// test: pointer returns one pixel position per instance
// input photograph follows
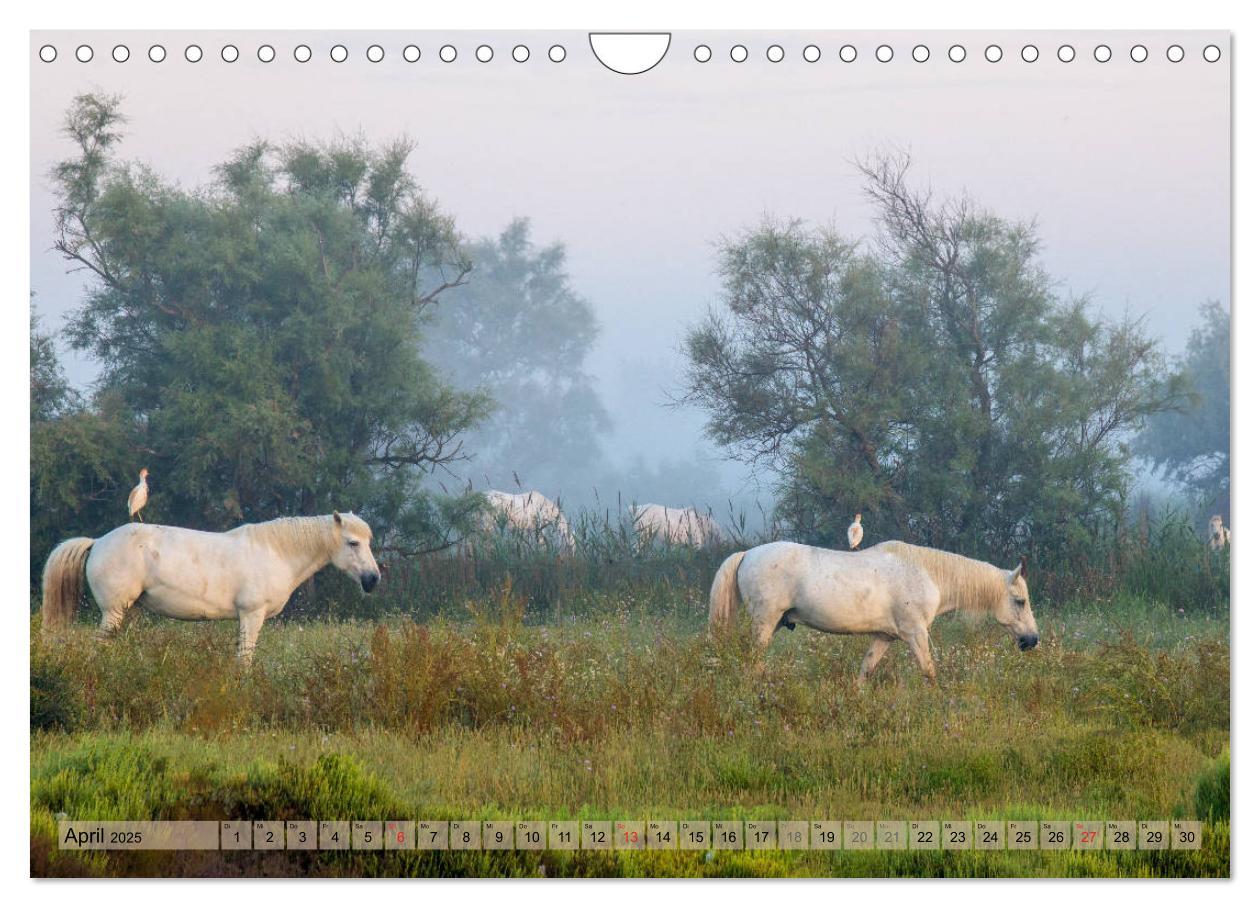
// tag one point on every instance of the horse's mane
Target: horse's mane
(965, 583)
(297, 535)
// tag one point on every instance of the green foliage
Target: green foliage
(1211, 790)
(55, 702)
(259, 338)
(936, 384)
(334, 786)
(1190, 445)
(51, 394)
(122, 779)
(1134, 684)
(1167, 560)
(81, 458)
(520, 333)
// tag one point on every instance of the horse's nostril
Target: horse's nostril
(369, 581)
(1028, 641)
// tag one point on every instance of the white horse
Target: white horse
(530, 513)
(674, 526)
(1218, 533)
(247, 573)
(893, 591)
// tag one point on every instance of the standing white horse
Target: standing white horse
(674, 526)
(531, 513)
(247, 573)
(893, 591)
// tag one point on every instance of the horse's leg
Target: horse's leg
(114, 598)
(112, 616)
(879, 646)
(922, 650)
(763, 630)
(251, 624)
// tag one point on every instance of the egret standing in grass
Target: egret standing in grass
(139, 496)
(855, 532)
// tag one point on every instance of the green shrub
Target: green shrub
(55, 703)
(1211, 790)
(1185, 693)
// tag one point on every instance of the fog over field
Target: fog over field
(1125, 166)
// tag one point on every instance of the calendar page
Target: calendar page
(630, 454)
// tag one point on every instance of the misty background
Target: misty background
(635, 181)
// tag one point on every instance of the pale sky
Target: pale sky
(1125, 166)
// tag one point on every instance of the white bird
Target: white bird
(139, 496)
(855, 532)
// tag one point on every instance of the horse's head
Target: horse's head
(354, 550)
(1015, 613)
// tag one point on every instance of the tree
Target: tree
(259, 338)
(79, 455)
(932, 381)
(521, 334)
(51, 394)
(1190, 445)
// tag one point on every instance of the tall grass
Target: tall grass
(609, 563)
(631, 669)
(626, 716)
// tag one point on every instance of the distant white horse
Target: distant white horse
(674, 526)
(530, 513)
(893, 591)
(247, 573)
(1218, 533)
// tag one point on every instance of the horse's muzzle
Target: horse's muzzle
(1027, 641)
(369, 581)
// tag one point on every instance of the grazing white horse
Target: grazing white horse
(531, 513)
(247, 573)
(1218, 533)
(674, 526)
(893, 591)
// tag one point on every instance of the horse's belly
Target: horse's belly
(170, 602)
(859, 609)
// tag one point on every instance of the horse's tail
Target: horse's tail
(724, 594)
(63, 582)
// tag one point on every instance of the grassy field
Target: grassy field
(1122, 713)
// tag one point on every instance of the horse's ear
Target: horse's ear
(1023, 565)
(337, 518)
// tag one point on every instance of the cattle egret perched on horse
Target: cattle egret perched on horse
(855, 532)
(531, 513)
(139, 496)
(892, 591)
(1218, 533)
(674, 526)
(247, 573)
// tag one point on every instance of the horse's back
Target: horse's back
(840, 592)
(155, 548)
(682, 526)
(527, 505)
